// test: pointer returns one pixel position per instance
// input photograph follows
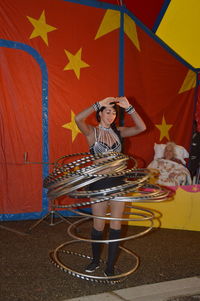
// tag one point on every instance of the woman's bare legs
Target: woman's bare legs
(99, 209)
(117, 209)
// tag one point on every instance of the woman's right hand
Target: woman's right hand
(106, 102)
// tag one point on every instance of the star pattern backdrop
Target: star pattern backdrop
(163, 91)
(57, 57)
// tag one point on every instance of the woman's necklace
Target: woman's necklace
(107, 136)
(104, 128)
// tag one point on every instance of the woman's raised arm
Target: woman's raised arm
(84, 127)
(139, 125)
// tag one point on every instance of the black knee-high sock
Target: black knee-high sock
(112, 250)
(96, 247)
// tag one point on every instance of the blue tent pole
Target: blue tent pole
(121, 65)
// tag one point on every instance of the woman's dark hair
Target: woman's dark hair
(98, 118)
(113, 125)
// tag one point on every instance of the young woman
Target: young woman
(104, 138)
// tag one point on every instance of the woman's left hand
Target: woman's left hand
(123, 102)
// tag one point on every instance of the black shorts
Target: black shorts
(106, 183)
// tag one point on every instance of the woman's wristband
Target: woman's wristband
(130, 109)
(96, 106)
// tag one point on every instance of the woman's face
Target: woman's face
(107, 116)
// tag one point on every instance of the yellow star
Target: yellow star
(130, 30)
(75, 62)
(41, 28)
(72, 126)
(111, 21)
(164, 129)
(189, 82)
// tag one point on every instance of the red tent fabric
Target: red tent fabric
(53, 64)
(146, 11)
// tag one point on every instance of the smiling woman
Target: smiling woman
(106, 137)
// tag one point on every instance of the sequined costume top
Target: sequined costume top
(106, 140)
